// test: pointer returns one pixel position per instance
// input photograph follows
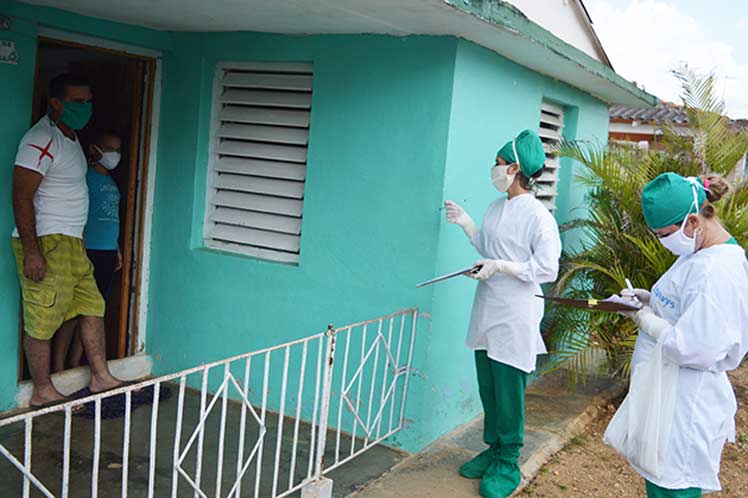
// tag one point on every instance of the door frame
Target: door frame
(146, 174)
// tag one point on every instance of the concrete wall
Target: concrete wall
(378, 135)
(562, 18)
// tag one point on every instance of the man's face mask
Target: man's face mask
(501, 178)
(76, 114)
(109, 160)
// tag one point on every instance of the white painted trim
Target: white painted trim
(582, 14)
(644, 128)
(70, 381)
(211, 174)
(291, 67)
(98, 42)
(145, 257)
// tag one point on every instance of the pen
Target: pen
(628, 284)
(631, 288)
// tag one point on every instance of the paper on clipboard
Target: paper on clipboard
(612, 304)
(457, 273)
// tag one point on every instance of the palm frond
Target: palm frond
(615, 242)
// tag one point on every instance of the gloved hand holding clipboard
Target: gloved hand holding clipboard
(613, 304)
(464, 271)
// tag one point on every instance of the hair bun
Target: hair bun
(717, 187)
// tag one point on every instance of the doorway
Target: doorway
(122, 86)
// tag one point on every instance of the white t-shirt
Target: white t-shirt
(61, 202)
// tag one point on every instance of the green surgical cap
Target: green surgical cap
(668, 199)
(530, 150)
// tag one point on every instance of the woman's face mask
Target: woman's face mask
(501, 178)
(679, 243)
(109, 160)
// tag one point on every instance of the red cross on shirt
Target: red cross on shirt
(44, 152)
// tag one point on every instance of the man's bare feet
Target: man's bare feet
(103, 383)
(45, 395)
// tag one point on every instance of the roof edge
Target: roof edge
(582, 10)
(504, 15)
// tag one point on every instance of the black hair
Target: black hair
(527, 183)
(58, 87)
(105, 133)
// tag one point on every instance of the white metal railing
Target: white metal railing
(326, 427)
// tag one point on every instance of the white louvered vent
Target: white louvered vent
(261, 114)
(551, 133)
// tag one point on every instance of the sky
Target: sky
(645, 39)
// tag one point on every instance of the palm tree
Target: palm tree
(616, 242)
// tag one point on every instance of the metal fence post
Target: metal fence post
(322, 487)
(325, 409)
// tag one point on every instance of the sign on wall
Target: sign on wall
(8, 52)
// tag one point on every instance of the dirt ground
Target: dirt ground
(587, 467)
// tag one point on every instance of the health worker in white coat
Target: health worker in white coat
(699, 310)
(520, 242)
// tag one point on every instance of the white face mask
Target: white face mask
(501, 178)
(109, 160)
(679, 243)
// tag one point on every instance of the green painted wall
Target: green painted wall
(15, 101)
(493, 99)
(398, 125)
(380, 120)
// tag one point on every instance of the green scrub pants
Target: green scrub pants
(654, 491)
(502, 392)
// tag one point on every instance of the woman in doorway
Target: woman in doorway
(101, 234)
(102, 228)
(698, 310)
(522, 247)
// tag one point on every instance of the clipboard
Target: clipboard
(613, 304)
(464, 271)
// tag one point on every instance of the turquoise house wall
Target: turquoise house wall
(16, 91)
(378, 135)
(398, 125)
(15, 101)
(493, 99)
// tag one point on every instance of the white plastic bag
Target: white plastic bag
(640, 429)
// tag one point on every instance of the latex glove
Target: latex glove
(489, 267)
(649, 323)
(642, 295)
(458, 216)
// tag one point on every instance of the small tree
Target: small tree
(616, 242)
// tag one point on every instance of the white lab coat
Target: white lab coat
(705, 297)
(506, 312)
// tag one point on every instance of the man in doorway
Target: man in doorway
(50, 203)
